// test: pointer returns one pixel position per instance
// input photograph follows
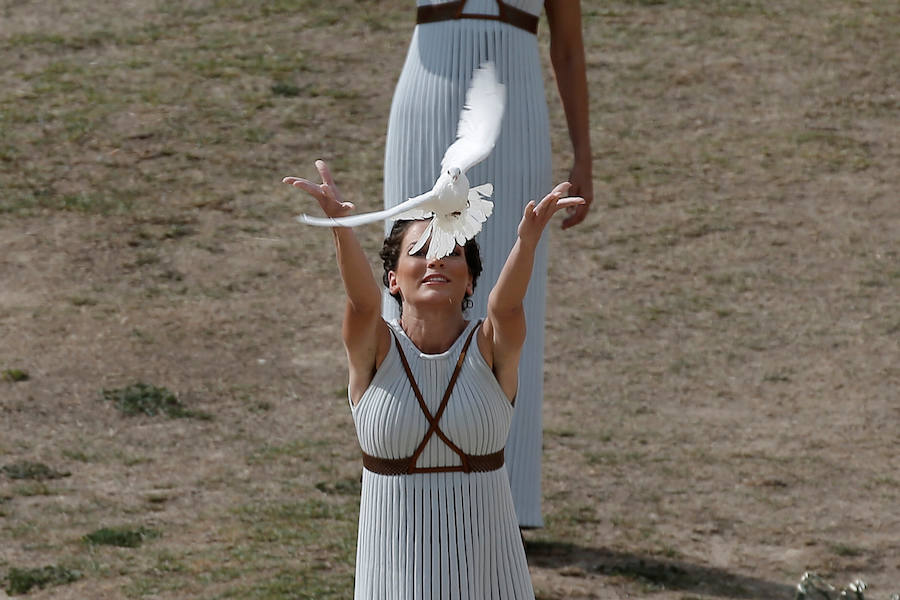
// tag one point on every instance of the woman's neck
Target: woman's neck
(432, 333)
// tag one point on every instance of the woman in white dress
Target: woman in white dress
(432, 398)
(449, 42)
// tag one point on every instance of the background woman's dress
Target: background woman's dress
(428, 98)
(436, 535)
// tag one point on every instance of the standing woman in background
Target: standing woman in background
(450, 41)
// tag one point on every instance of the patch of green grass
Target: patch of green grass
(315, 584)
(333, 93)
(832, 150)
(287, 90)
(145, 259)
(177, 231)
(280, 514)
(14, 375)
(29, 201)
(328, 526)
(845, 550)
(21, 581)
(169, 573)
(305, 449)
(606, 458)
(54, 42)
(32, 470)
(123, 537)
(349, 486)
(256, 135)
(167, 562)
(83, 301)
(681, 366)
(562, 433)
(580, 515)
(259, 407)
(325, 530)
(142, 336)
(78, 455)
(609, 264)
(669, 552)
(884, 480)
(145, 399)
(32, 488)
(782, 375)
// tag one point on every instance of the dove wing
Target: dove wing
(443, 241)
(485, 189)
(480, 208)
(416, 207)
(479, 121)
(422, 238)
(410, 206)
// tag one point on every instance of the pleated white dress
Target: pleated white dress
(445, 535)
(424, 114)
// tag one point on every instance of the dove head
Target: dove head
(394, 247)
(454, 173)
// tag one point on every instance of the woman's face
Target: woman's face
(422, 281)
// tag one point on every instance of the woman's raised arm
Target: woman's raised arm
(505, 323)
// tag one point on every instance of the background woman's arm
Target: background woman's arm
(567, 58)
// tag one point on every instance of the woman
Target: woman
(450, 40)
(432, 398)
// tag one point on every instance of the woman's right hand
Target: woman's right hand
(326, 193)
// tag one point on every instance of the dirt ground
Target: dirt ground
(723, 333)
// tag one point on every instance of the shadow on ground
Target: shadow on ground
(666, 574)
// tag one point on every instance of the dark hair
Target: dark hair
(390, 254)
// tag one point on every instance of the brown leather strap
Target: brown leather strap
(433, 420)
(478, 463)
(400, 466)
(448, 11)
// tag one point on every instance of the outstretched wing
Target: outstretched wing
(479, 121)
(411, 207)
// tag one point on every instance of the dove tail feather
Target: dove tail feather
(422, 239)
(442, 242)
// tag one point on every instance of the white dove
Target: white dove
(457, 210)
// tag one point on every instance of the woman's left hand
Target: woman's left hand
(538, 215)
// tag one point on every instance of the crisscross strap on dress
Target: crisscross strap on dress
(406, 466)
(448, 11)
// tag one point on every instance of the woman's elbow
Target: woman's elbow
(506, 313)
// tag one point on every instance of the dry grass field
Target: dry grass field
(723, 364)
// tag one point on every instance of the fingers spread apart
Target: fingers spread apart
(306, 185)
